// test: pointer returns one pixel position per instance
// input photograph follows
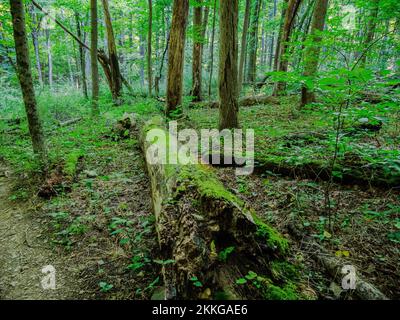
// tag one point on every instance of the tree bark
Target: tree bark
(228, 65)
(25, 79)
(244, 44)
(212, 49)
(149, 49)
(176, 56)
(312, 55)
(194, 224)
(49, 59)
(113, 56)
(94, 57)
(371, 27)
(197, 52)
(290, 14)
(253, 43)
(81, 56)
(35, 42)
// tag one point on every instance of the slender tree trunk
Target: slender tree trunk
(228, 65)
(212, 50)
(113, 56)
(176, 55)
(313, 52)
(244, 44)
(35, 42)
(94, 56)
(25, 79)
(272, 44)
(197, 52)
(142, 53)
(253, 42)
(149, 49)
(371, 27)
(290, 15)
(278, 43)
(81, 56)
(49, 59)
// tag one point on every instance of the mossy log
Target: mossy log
(353, 171)
(208, 237)
(246, 101)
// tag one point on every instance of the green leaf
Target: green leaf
(241, 281)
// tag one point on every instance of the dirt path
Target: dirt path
(24, 251)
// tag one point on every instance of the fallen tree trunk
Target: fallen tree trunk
(363, 289)
(250, 101)
(208, 238)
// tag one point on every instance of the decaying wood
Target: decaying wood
(363, 289)
(69, 122)
(196, 218)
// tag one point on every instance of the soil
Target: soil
(25, 251)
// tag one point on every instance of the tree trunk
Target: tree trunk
(253, 43)
(212, 49)
(196, 220)
(244, 44)
(371, 27)
(49, 59)
(197, 52)
(290, 15)
(81, 56)
(35, 42)
(94, 57)
(112, 52)
(149, 49)
(25, 79)
(313, 52)
(228, 65)
(176, 56)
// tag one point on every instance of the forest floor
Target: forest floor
(98, 229)
(25, 251)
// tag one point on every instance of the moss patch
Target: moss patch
(273, 238)
(71, 163)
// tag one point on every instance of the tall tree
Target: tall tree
(253, 42)
(94, 56)
(288, 24)
(149, 49)
(176, 55)
(35, 41)
(243, 52)
(81, 55)
(211, 66)
(228, 65)
(49, 58)
(25, 79)
(197, 51)
(113, 56)
(371, 28)
(311, 58)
